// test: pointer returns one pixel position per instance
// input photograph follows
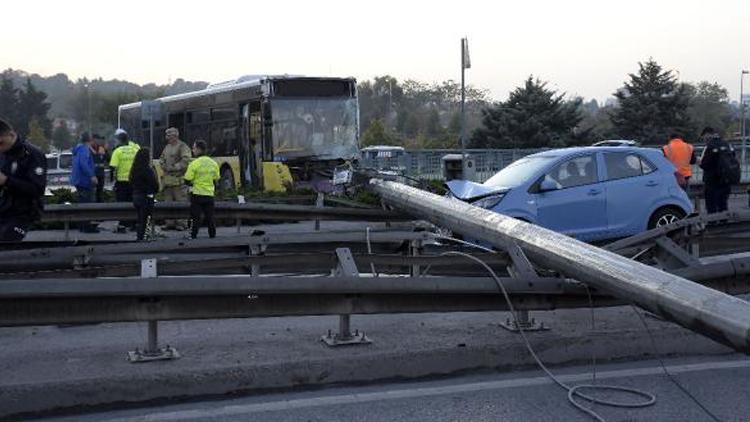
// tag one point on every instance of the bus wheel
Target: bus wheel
(226, 183)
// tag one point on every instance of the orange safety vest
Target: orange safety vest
(679, 153)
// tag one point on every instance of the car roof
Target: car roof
(565, 152)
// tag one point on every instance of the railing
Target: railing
(427, 163)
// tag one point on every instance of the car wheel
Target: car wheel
(665, 216)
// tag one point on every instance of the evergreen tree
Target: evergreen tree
(36, 135)
(8, 99)
(33, 105)
(61, 137)
(533, 117)
(652, 105)
(377, 135)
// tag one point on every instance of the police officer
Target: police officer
(121, 162)
(23, 177)
(202, 175)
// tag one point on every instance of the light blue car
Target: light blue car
(590, 193)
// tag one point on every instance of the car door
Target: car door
(633, 186)
(577, 206)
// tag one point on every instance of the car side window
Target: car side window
(577, 171)
(621, 165)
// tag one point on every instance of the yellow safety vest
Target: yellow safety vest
(203, 172)
(122, 160)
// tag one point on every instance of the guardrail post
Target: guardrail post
(416, 250)
(319, 201)
(521, 267)
(152, 351)
(346, 267)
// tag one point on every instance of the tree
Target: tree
(61, 137)
(8, 99)
(652, 105)
(33, 105)
(36, 135)
(377, 135)
(709, 106)
(533, 117)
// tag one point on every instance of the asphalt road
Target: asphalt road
(720, 385)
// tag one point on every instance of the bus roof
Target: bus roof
(247, 81)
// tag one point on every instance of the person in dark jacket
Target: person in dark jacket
(145, 186)
(23, 177)
(101, 162)
(716, 192)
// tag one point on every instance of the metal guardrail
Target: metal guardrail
(223, 210)
(723, 318)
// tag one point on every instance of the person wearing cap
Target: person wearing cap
(101, 162)
(121, 162)
(202, 175)
(23, 178)
(174, 161)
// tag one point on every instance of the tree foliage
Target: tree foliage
(533, 117)
(652, 105)
(709, 106)
(36, 135)
(22, 107)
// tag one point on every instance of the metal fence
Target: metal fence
(428, 163)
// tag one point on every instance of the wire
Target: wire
(573, 391)
(666, 372)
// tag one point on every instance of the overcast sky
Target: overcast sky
(581, 47)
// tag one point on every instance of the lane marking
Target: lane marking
(242, 409)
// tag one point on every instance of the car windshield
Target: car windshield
(519, 171)
(66, 161)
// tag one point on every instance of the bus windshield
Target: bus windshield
(322, 128)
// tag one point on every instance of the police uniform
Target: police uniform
(202, 174)
(122, 161)
(21, 196)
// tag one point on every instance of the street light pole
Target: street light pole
(742, 115)
(465, 64)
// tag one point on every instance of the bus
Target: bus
(262, 130)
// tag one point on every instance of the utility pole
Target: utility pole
(465, 64)
(743, 135)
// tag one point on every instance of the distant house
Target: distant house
(71, 124)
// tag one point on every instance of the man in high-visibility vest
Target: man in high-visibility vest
(202, 175)
(682, 155)
(121, 162)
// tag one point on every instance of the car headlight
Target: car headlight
(488, 201)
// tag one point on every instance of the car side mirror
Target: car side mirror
(547, 185)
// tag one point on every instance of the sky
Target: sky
(580, 47)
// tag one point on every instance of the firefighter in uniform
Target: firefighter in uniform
(23, 178)
(174, 161)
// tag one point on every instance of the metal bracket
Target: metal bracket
(521, 268)
(345, 267)
(670, 255)
(152, 351)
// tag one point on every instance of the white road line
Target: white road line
(242, 409)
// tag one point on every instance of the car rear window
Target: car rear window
(621, 165)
